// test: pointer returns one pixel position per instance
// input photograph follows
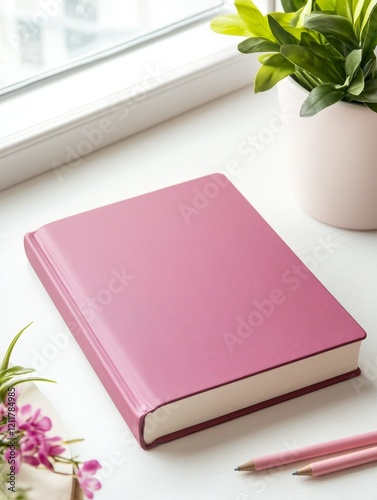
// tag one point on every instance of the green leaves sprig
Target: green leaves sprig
(12, 376)
(327, 46)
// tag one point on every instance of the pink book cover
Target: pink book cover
(186, 289)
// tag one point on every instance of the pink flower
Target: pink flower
(26, 454)
(87, 483)
(49, 447)
(32, 421)
(35, 448)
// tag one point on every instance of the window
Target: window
(43, 37)
(118, 95)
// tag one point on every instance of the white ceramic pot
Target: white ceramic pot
(333, 159)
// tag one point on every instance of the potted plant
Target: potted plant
(326, 48)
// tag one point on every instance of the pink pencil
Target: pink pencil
(339, 463)
(306, 452)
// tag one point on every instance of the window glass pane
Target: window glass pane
(39, 38)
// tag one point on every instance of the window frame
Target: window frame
(84, 117)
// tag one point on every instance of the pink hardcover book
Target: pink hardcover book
(191, 309)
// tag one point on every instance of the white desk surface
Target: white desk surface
(215, 137)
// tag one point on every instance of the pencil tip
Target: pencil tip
(237, 468)
(295, 473)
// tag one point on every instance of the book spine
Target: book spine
(85, 337)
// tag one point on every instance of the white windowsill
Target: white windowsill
(60, 119)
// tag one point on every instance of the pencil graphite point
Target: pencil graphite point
(304, 471)
(295, 473)
(247, 467)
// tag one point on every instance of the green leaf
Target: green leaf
(358, 6)
(15, 370)
(8, 353)
(4, 387)
(328, 5)
(305, 12)
(320, 98)
(288, 21)
(371, 85)
(339, 46)
(264, 57)
(292, 5)
(281, 35)
(274, 69)
(362, 16)
(372, 106)
(229, 24)
(357, 84)
(352, 62)
(332, 25)
(369, 94)
(9, 376)
(73, 441)
(369, 65)
(255, 22)
(253, 45)
(320, 46)
(309, 61)
(344, 8)
(369, 34)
